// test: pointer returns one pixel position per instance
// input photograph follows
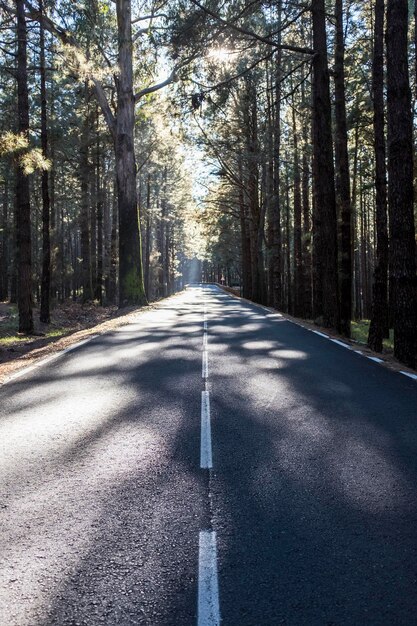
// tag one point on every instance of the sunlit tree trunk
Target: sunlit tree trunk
(46, 241)
(131, 288)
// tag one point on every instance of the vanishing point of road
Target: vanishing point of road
(209, 463)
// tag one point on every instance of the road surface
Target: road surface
(209, 463)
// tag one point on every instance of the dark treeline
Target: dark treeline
(313, 212)
(304, 112)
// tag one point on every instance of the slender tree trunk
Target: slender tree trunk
(99, 214)
(112, 290)
(325, 295)
(131, 288)
(46, 242)
(342, 177)
(298, 260)
(84, 174)
(400, 184)
(23, 217)
(379, 320)
(275, 267)
(4, 256)
(148, 238)
(306, 228)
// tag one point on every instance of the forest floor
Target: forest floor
(70, 322)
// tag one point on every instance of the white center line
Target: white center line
(206, 456)
(205, 341)
(208, 586)
(205, 364)
(205, 324)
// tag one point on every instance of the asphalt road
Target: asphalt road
(209, 462)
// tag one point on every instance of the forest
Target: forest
(266, 146)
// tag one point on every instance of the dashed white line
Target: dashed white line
(205, 324)
(208, 586)
(205, 365)
(206, 455)
(205, 339)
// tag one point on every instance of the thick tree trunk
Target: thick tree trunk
(326, 310)
(46, 241)
(379, 320)
(23, 217)
(342, 177)
(131, 288)
(400, 185)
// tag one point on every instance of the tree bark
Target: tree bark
(131, 288)
(326, 310)
(342, 177)
(23, 217)
(298, 260)
(379, 319)
(44, 316)
(4, 251)
(400, 184)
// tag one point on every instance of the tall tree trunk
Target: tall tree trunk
(326, 308)
(112, 283)
(148, 233)
(23, 218)
(275, 267)
(4, 255)
(84, 174)
(400, 184)
(46, 242)
(131, 288)
(342, 177)
(99, 215)
(379, 320)
(298, 261)
(306, 227)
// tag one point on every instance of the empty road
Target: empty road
(209, 463)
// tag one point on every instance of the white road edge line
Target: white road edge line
(206, 455)
(340, 343)
(317, 332)
(46, 360)
(374, 358)
(205, 364)
(208, 586)
(413, 376)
